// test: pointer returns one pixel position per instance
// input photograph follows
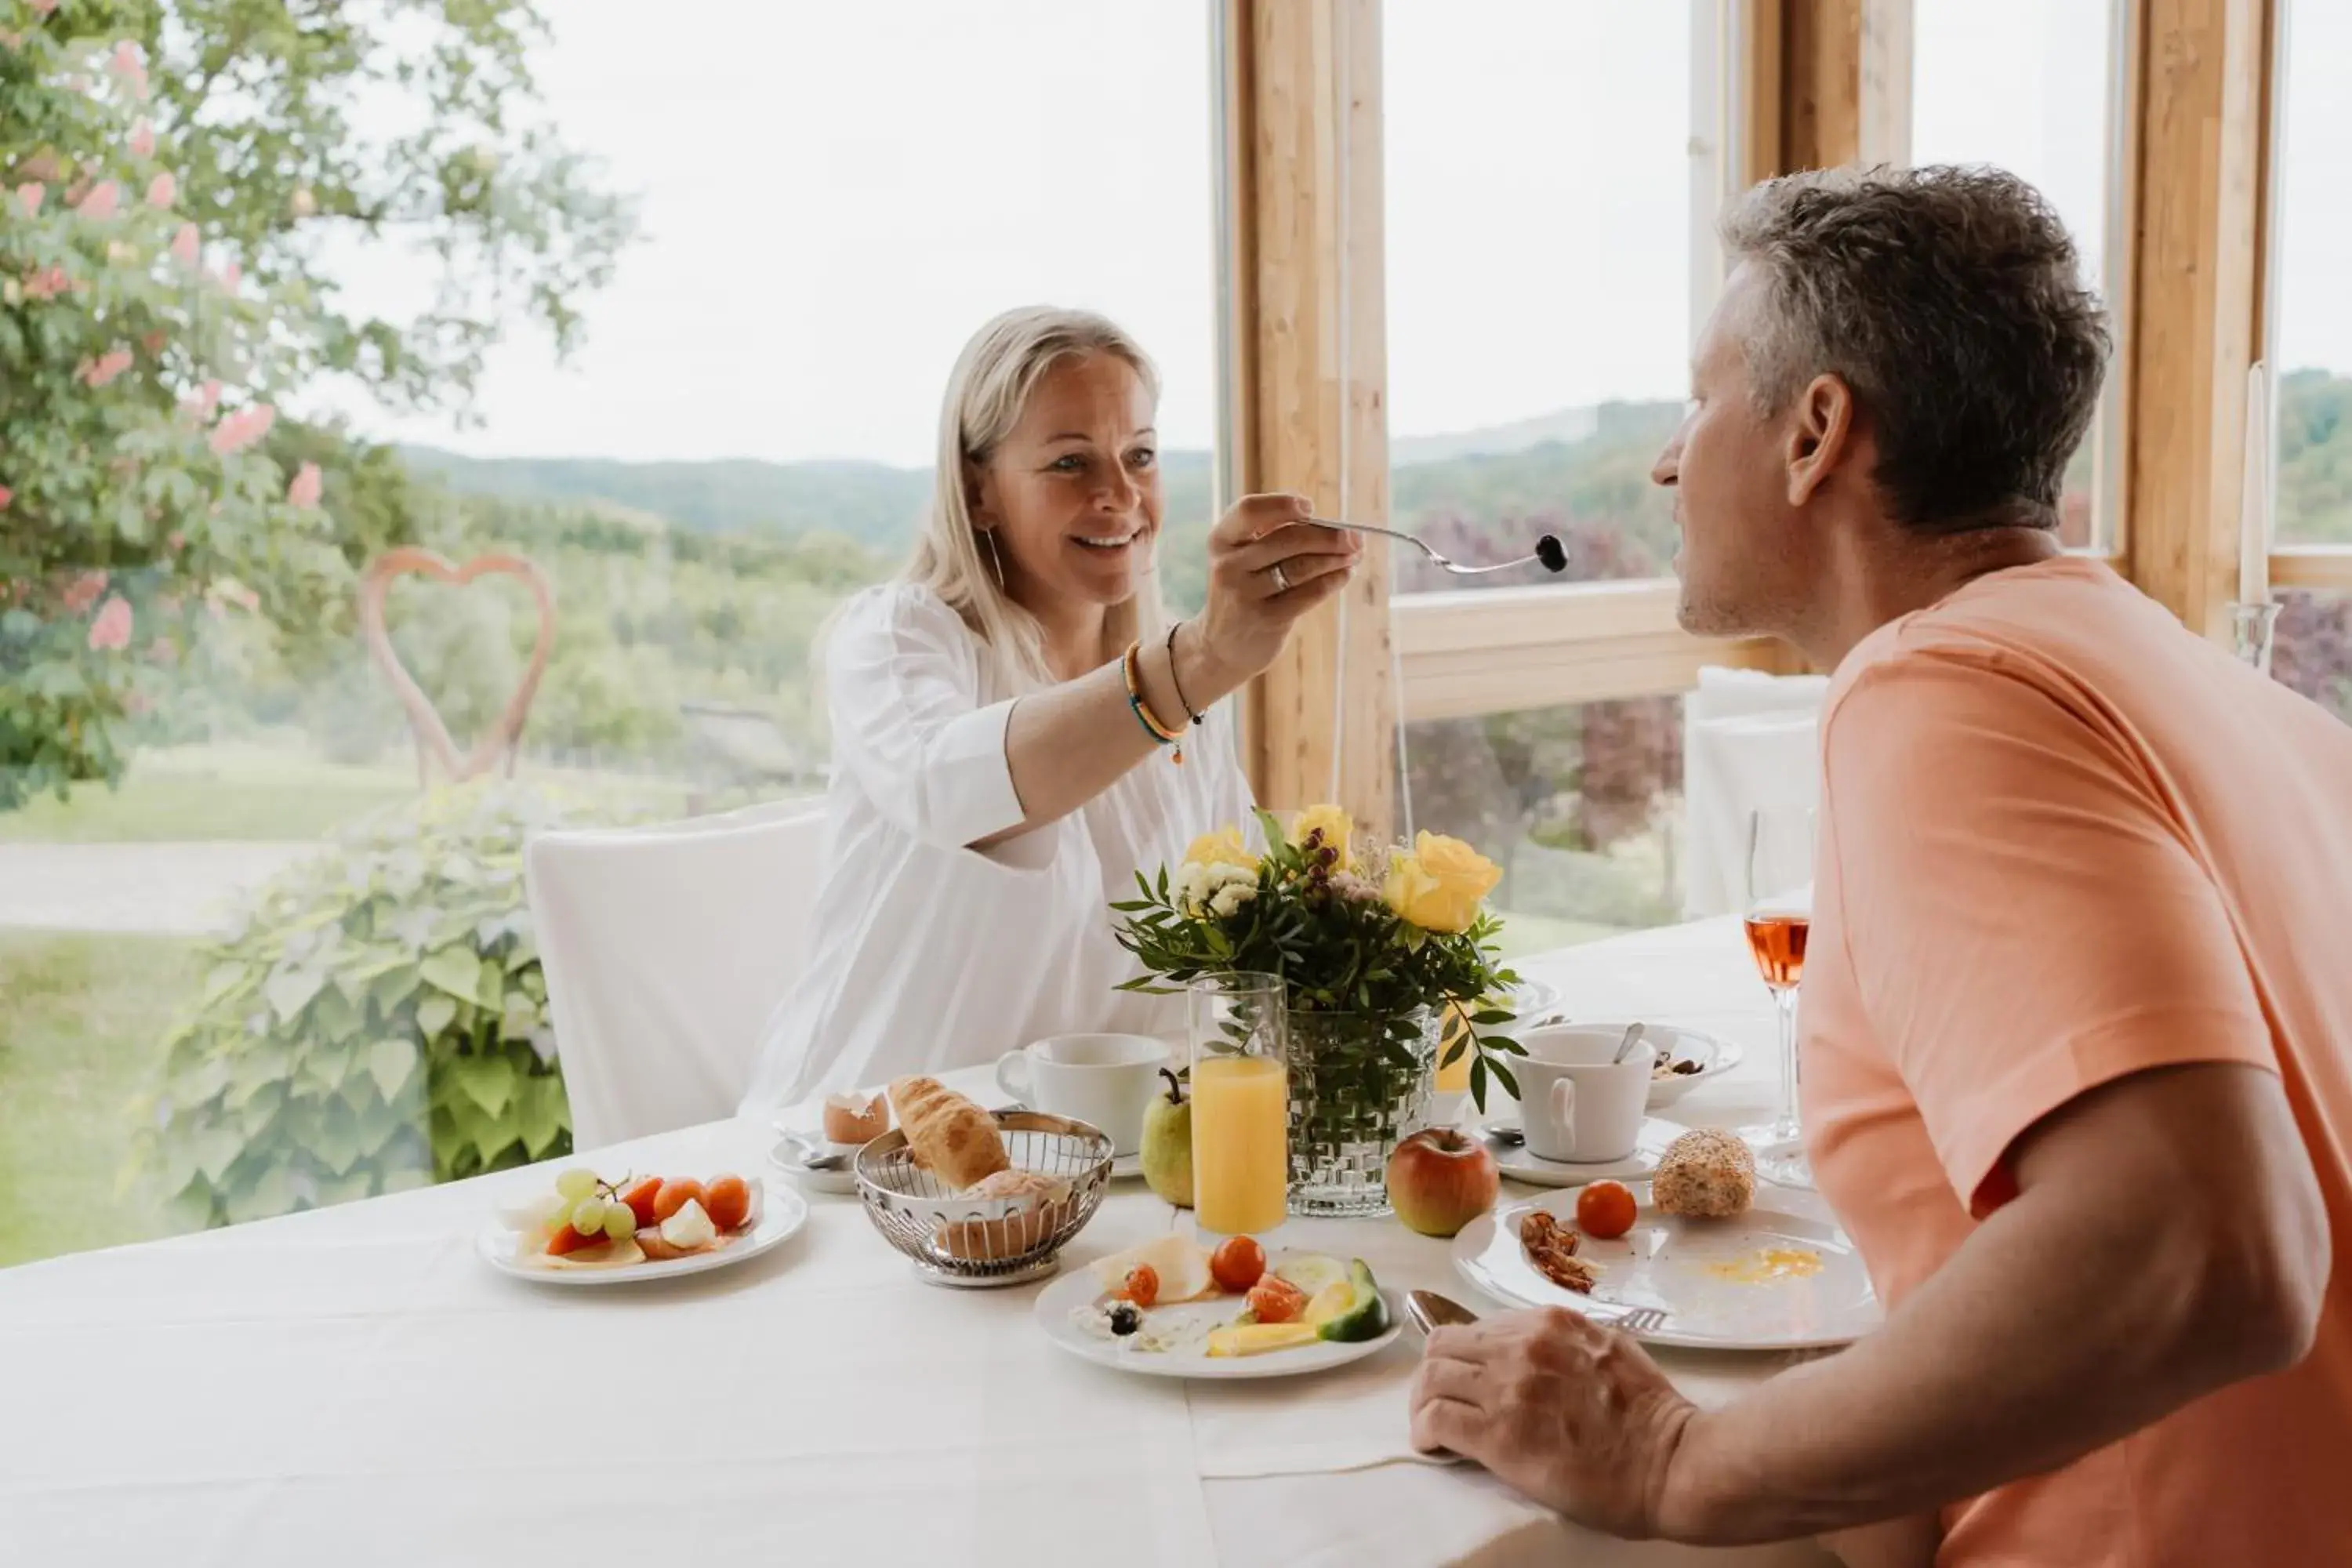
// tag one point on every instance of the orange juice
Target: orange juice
(1455, 1077)
(1240, 1144)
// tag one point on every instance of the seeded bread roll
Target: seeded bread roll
(1704, 1175)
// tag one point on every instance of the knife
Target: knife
(1431, 1311)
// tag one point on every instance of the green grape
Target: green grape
(576, 1184)
(619, 1222)
(588, 1218)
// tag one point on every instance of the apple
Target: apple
(1441, 1179)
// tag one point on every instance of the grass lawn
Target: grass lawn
(82, 1023)
(224, 792)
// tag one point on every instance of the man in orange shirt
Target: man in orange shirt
(2078, 1004)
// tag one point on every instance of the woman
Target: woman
(1017, 731)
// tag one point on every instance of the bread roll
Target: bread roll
(952, 1138)
(1704, 1175)
(1001, 1240)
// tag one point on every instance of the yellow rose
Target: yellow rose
(1338, 830)
(1222, 848)
(1440, 884)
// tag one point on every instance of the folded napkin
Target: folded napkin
(1352, 1419)
(1732, 767)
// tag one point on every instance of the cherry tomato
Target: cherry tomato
(640, 1199)
(1605, 1210)
(674, 1195)
(1142, 1285)
(1274, 1299)
(1238, 1263)
(727, 1201)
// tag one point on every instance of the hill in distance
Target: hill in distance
(879, 505)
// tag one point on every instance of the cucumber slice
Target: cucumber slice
(1311, 1272)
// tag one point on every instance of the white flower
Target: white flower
(1229, 899)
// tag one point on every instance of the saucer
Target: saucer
(1515, 1163)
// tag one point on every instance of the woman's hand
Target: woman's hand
(1267, 566)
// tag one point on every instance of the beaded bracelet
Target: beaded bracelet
(1132, 666)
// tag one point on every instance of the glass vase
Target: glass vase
(1359, 1084)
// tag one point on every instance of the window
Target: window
(1580, 805)
(2031, 85)
(2311, 325)
(742, 439)
(2311, 648)
(1543, 165)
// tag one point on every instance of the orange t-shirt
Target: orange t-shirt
(2064, 840)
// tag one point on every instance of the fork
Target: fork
(1429, 1310)
(1547, 548)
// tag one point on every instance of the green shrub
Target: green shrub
(378, 1021)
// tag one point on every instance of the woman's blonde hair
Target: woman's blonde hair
(994, 376)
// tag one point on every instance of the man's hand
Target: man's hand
(1570, 1412)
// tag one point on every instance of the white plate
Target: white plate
(1702, 1272)
(1719, 1056)
(1079, 1287)
(1126, 1168)
(1515, 1162)
(782, 1212)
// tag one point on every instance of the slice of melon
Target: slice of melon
(1181, 1263)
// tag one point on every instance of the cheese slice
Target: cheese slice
(1256, 1339)
(1181, 1263)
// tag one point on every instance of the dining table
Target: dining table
(355, 1385)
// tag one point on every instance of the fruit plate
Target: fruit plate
(1769, 1280)
(1190, 1321)
(782, 1212)
(1515, 1160)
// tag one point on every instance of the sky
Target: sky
(834, 197)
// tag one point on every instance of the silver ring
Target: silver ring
(1281, 583)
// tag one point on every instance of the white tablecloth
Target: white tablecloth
(353, 1387)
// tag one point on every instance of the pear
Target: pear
(1168, 1143)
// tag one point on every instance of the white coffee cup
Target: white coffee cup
(1575, 1105)
(1103, 1081)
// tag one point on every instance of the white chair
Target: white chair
(1749, 741)
(664, 950)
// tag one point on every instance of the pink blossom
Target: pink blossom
(175, 541)
(230, 276)
(111, 629)
(304, 488)
(162, 189)
(46, 285)
(85, 592)
(187, 245)
(42, 7)
(242, 429)
(101, 201)
(7, 495)
(30, 193)
(207, 398)
(107, 366)
(143, 139)
(127, 65)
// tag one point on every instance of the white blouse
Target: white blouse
(927, 955)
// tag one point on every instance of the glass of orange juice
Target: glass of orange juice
(1240, 1027)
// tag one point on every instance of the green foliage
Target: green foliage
(168, 176)
(2315, 498)
(378, 1021)
(1343, 953)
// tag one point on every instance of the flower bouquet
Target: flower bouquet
(1375, 944)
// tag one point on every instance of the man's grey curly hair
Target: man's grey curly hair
(1951, 301)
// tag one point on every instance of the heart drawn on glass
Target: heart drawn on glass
(433, 735)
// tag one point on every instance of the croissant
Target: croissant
(951, 1137)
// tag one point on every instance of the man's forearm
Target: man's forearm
(2042, 1340)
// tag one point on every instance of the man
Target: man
(2078, 1011)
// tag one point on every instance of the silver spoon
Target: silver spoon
(1625, 1046)
(1547, 548)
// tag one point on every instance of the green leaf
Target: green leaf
(489, 1081)
(290, 991)
(490, 985)
(271, 1194)
(388, 1063)
(337, 1142)
(434, 1014)
(454, 971)
(544, 1114)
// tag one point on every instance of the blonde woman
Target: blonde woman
(1017, 729)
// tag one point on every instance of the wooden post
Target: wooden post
(1306, 350)
(2195, 299)
(1821, 62)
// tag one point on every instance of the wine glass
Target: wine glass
(1777, 917)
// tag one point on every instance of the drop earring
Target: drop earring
(993, 558)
